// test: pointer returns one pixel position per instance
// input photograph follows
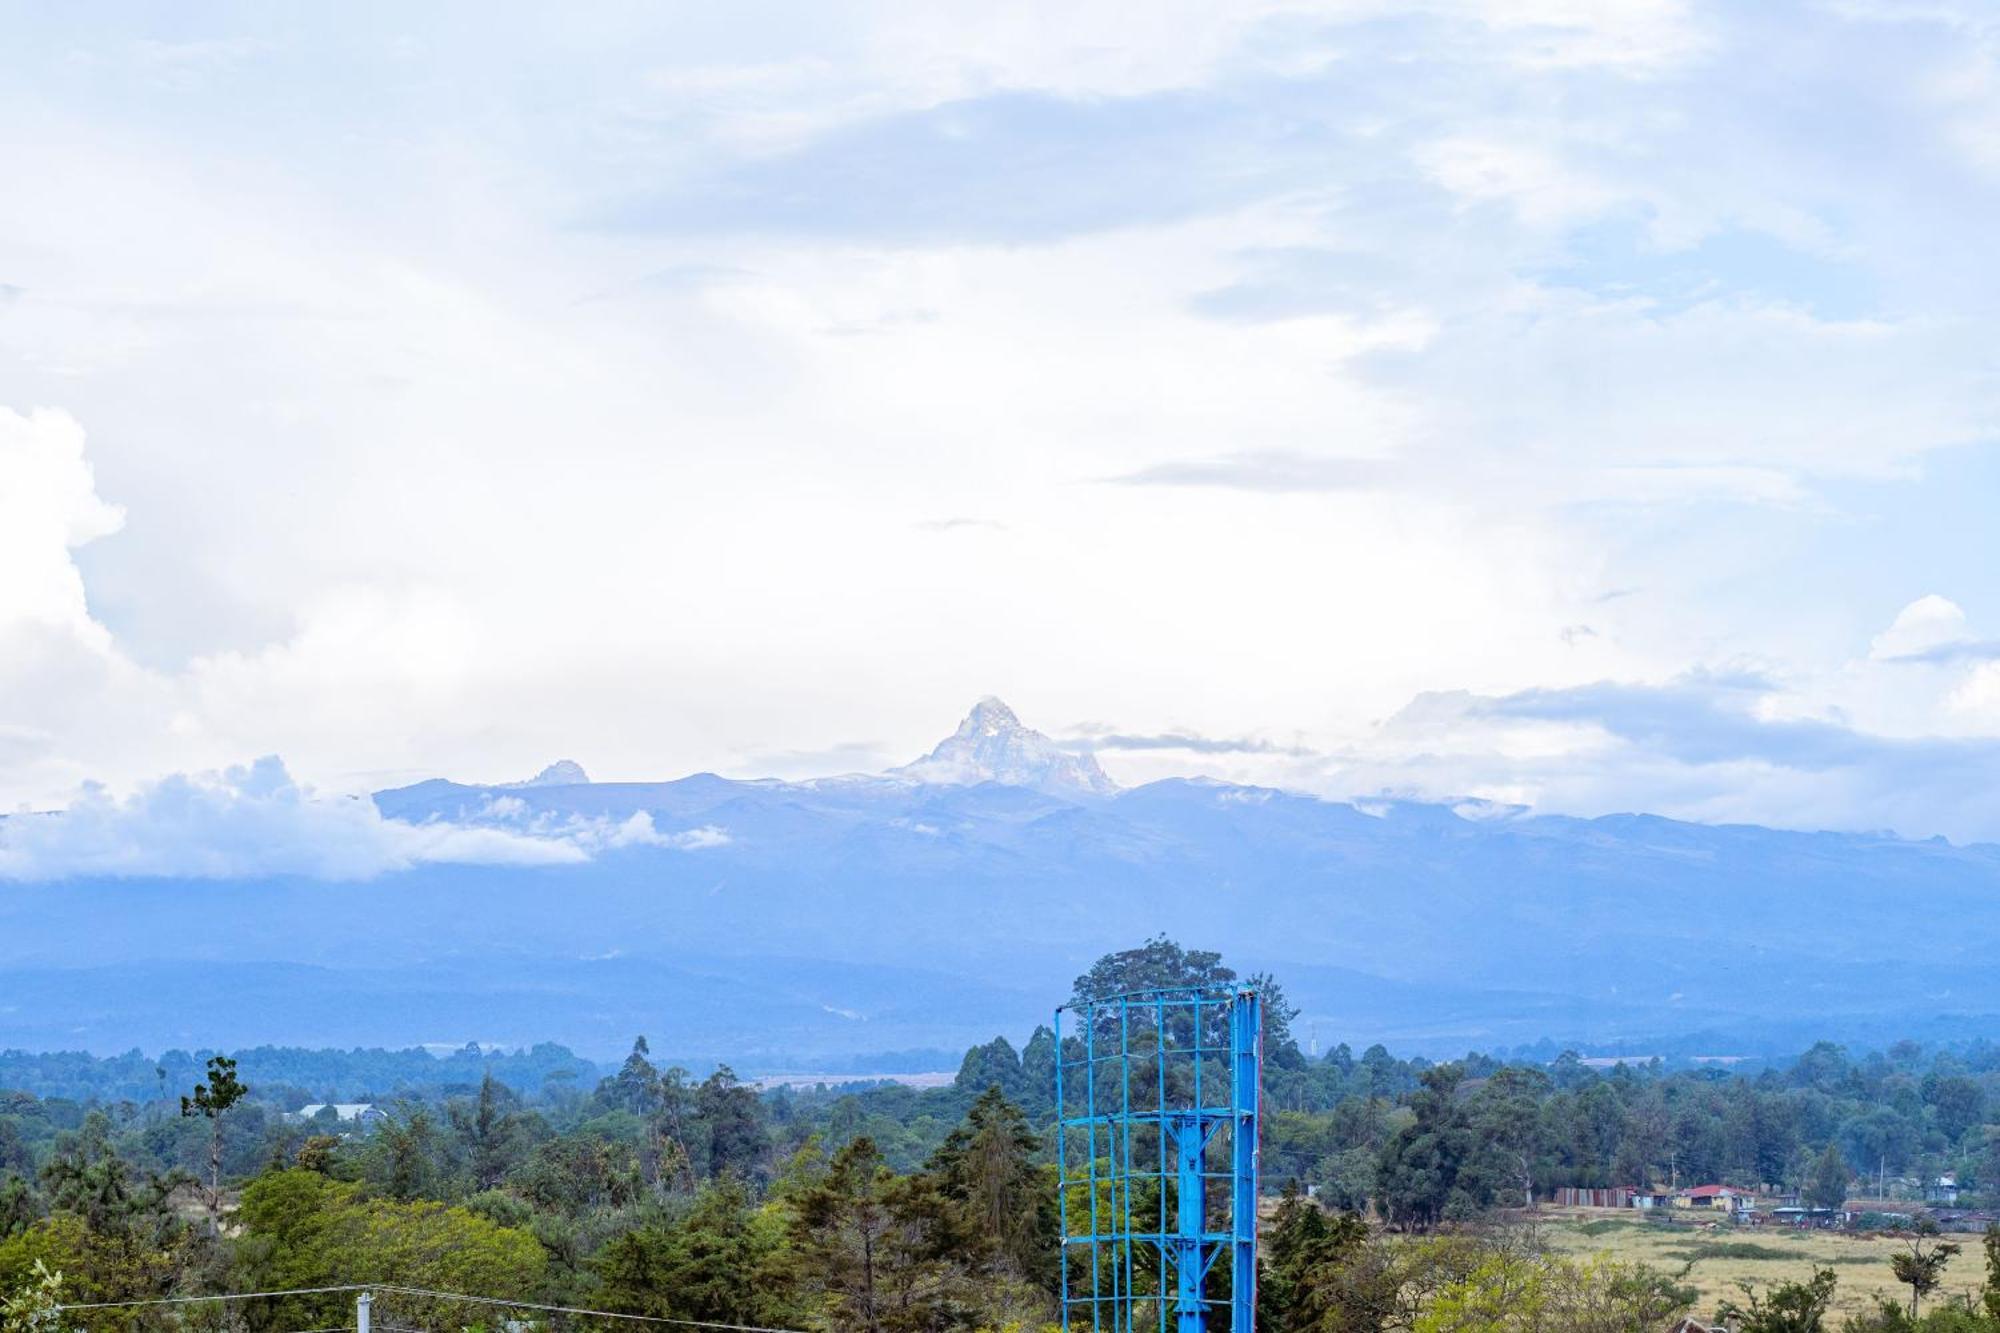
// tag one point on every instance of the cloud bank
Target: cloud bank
(255, 821)
(1906, 742)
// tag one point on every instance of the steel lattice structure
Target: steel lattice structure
(1157, 1107)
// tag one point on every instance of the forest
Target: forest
(1403, 1192)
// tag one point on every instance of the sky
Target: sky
(1587, 406)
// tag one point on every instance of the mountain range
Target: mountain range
(897, 918)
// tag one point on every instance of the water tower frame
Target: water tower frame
(1158, 1114)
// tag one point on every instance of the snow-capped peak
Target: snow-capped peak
(562, 773)
(991, 745)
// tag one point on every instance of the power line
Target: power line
(231, 1296)
(434, 1295)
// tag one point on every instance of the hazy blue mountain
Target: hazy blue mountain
(819, 920)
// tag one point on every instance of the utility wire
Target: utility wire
(437, 1295)
(231, 1296)
(434, 1295)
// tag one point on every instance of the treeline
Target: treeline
(290, 1076)
(684, 1201)
(653, 1191)
(1426, 1142)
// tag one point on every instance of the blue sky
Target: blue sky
(1590, 406)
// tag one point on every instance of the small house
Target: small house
(357, 1114)
(1721, 1198)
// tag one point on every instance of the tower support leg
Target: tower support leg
(1246, 1053)
(1190, 1215)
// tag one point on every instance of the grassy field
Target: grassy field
(1761, 1255)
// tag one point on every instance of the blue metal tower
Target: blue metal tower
(1157, 1108)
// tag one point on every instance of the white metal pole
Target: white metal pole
(361, 1304)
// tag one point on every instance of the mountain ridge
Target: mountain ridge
(1433, 927)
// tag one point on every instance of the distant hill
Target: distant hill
(775, 923)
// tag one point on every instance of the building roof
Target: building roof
(1716, 1191)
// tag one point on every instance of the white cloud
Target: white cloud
(248, 821)
(256, 821)
(49, 506)
(1526, 176)
(1929, 621)
(1906, 737)
(596, 833)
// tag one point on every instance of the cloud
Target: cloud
(1929, 631)
(593, 833)
(49, 506)
(1013, 166)
(256, 821)
(960, 525)
(1272, 471)
(1950, 654)
(1698, 719)
(1723, 745)
(242, 822)
(1191, 743)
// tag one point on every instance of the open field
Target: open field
(1761, 1255)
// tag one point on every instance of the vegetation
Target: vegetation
(1922, 1268)
(1412, 1203)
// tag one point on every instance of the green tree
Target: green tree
(1990, 1295)
(636, 1085)
(403, 1156)
(1324, 1274)
(35, 1308)
(1038, 1074)
(317, 1153)
(19, 1206)
(724, 1262)
(90, 1179)
(734, 1125)
(115, 1265)
(986, 1166)
(1788, 1307)
(1826, 1186)
(1158, 964)
(489, 1132)
(1957, 1101)
(869, 1244)
(211, 1100)
(994, 1065)
(13, 1152)
(1506, 1118)
(303, 1229)
(1530, 1293)
(1418, 1180)
(1921, 1268)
